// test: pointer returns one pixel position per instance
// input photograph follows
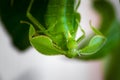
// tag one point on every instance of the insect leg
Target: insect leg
(95, 43)
(97, 32)
(77, 5)
(51, 27)
(43, 44)
(32, 31)
(83, 35)
(33, 19)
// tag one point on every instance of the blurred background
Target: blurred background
(28, 64)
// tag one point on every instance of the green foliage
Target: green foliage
(107, 13)
(113, 46)
(12, 11)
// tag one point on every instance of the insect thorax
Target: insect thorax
(59, 20)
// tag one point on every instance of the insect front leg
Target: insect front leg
(77, 5)
(33, 19)
(77, 22)
(95, 43)
(83, 35)
(51, 27)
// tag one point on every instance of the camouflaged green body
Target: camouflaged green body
(58, 34)
(60, 21)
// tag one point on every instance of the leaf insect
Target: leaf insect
(57, 37)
